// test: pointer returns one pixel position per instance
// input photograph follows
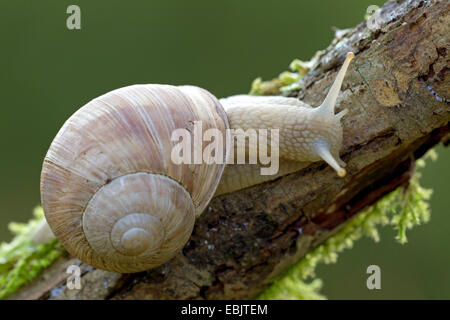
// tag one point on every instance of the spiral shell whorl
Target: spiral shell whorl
(136, 233)
(138, 221)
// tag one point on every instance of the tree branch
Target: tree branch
(244, 239)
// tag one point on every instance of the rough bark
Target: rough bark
(244, 239)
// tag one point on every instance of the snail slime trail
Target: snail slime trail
(189, 148)
(115, 198)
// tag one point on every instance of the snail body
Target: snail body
(114, 198)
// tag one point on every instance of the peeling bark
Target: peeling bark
(244, 239)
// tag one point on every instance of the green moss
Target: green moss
(285, 83)
(412, 207)
(21, 260)
(403, 209)
(266, 88)
(292, 288)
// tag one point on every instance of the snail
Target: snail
(114, 198)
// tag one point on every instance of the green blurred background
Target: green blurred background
(48, 71)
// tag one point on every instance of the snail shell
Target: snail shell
(110, 191)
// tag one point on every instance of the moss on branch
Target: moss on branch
(403, 208)
(21, 260)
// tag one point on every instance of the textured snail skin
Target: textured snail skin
(114, 198)
(306, 134)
